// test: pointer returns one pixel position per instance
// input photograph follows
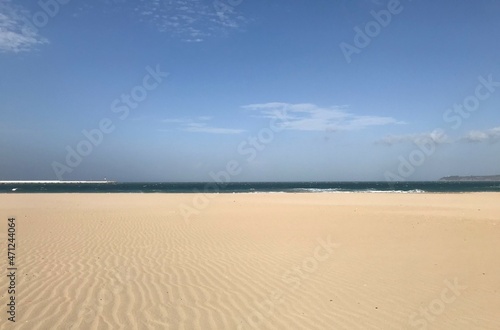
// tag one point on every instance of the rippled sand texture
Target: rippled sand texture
(254, 261)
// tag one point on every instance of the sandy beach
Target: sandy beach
(253, 261)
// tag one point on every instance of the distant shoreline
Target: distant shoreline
(53, 181)
(472, 178)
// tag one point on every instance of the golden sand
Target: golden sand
(254, 261)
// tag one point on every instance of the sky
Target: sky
(239, 90)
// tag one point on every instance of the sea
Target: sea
(250, 187)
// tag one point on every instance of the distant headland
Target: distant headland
(471, 178)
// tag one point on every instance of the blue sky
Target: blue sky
(284, 90)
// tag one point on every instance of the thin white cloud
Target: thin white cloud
(174, 121)
(436, 136)
(204, 128)
(200, 125)
(188, 20)
(310, 117)
(490, 135)
(15, 35)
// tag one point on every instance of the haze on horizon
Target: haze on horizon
(263, 90)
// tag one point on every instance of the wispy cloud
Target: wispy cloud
(490, 135)
(204, 128)
(188, 20)
(15, 35)
(440, 137)
(200, 125)
(174, 121)
(310, 117)
(436, 136)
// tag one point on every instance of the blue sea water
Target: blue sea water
(250, 187)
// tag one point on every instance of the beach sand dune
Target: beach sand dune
(254, 261)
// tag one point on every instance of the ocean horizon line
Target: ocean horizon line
(250, 187)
